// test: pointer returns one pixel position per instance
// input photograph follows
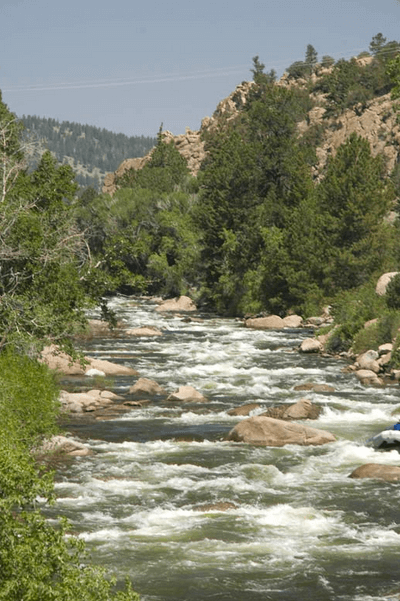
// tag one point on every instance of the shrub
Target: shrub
(392, 295)
(351, 309)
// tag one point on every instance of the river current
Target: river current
(294, 525)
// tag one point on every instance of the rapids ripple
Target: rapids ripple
(294, 526)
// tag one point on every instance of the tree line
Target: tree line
(95, 151)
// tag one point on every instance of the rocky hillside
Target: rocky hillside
(374, 119)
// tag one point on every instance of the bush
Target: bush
(351, 309)
(37, 561)
(380, 332)
(392, 295)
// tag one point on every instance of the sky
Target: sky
(130, 66)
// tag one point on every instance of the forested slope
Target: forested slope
(91, 151)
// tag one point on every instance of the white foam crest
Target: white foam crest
(164, 522)
(365, 413)
(299, 520)
(104, 536)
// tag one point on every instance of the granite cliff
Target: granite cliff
(375, 120)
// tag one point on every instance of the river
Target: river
(296, 527)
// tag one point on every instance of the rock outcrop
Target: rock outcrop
(375, 120)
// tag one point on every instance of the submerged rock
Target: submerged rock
(311, 386)
(267, 431)
(243, 409)
(144, 331)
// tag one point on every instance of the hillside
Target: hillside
(340, 98)
(90, 151)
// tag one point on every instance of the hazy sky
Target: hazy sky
(129, 66)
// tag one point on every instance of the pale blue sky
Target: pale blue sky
(127, 66)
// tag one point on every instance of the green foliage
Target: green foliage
(37, 561)
(298, 70)
(351, 84)
(165, 172)
(327, 61)
(392, 295)
(351, 309)
(253, 178)
(311, 58)
(354, 197)
(28, 398)
(143, 237)
(382, 331)
(93, 150)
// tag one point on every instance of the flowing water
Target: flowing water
(294, 526)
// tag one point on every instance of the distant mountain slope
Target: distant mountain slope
(91, 151)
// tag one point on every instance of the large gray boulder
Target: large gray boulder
(267, 431)
(390, 473)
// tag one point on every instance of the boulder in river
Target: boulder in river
(368, 377)
(187, 394)
(310, 345)
(271, 322)
(147, 387)
(390, 473)
(314, 387)
(144, 331)
(82, 402)
(267, 431)
(181, 303)
(303, 409)
(61, 362)
(292, 321)
(65, 446)
(243, 409)
(368, 360)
